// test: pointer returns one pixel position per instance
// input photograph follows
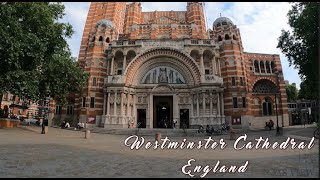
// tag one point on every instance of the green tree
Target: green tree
(292, 92)
(305, 92)
(301, 45)
(35, 59)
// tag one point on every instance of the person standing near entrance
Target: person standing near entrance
(166, 122)
(174, 123)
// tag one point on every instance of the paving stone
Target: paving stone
(64, 153)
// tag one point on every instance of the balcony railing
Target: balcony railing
(194, 42)
(131, 42)
(161, 43)
(120, 43)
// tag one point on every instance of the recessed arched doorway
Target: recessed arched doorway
(163, 111)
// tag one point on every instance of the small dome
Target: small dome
(222, 21)
(106, 23)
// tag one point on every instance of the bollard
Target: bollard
(87, 134)
(158, 136)
(232, 134)
(46, 129)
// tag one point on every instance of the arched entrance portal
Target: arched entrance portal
(163, 111)
(160, 75)
(158, 87)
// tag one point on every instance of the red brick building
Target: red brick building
(150, 68)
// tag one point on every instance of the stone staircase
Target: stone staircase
(152, 132)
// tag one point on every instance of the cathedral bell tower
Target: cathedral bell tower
(195, 16)
(233, 69)
(103, 25)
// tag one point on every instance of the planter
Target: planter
(9, 123)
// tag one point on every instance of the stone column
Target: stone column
(128, 105)
(124, 63)
(134, 108)
(150, 111)
(259, 67)
(203, 103)
(198, 107)
(201, 64)
(265, 68)
(108, 104)
(219, 69)
(121, 104)
(222, 104)
(211, 109)
(104, 102)
(218, 104)
(115, 104)
(112, 62)
(175, 108)
(270, 67)
(214, 66)
(254, 68)
(191, 108)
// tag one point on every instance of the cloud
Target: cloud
(163, 6)
(260, 24)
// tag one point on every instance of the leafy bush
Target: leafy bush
(1, 113)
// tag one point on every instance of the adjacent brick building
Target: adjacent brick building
(150, 68)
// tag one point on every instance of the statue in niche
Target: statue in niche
(178, 80)
(171, 76)
(154, 76)
(163, 75)
(214, 99)
(147, 80)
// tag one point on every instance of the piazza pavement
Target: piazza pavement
(27, 153)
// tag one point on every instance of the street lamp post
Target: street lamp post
(45, 111)
(276, 102)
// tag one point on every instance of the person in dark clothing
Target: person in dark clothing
(271, 124)
(63, 124)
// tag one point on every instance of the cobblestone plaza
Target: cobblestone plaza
(66, 153)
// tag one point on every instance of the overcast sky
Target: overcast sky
(260, 24)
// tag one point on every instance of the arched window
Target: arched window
(234, 37)
(267, 107)
(268, 67)
(108, 40)
(256, 66)
(264, 86)
(94, 81)
(130, 55)
(100, 38)
(227, 37)
(219, 38)
(273, 68)
(262, 67)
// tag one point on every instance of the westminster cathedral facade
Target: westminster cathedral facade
(151, 68)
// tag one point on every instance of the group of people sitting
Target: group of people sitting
(65, 124)
(80, 125)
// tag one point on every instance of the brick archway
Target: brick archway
(170, 56)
